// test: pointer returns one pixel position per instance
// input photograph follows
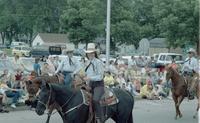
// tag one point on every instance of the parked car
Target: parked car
(44, 51)
(166, 58)
(39, 51)
(21, 51)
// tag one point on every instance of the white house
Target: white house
(53, 39)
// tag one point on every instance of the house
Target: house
(53, 39)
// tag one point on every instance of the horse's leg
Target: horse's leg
(196, 113)
(175, 101)
(61, 115)
(180, 99)
(48, 116)
(130, 119)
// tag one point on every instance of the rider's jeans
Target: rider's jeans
(67, 78)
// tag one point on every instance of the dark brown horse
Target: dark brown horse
(32, 87)
(179, 88)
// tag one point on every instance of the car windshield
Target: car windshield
(175, 57)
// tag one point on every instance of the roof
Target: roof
(54, 38)
(158, 43)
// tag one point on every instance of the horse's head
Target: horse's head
(32, 89)
(169, 73)
(45, 98)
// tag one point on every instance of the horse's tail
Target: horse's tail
(132, 97)
(130, 118)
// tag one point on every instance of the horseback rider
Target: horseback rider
(69, 66)
(190, 70)
(94, 76)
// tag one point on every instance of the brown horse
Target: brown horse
(32, 87)
(179, 88)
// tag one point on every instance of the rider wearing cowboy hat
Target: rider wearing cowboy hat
(94, 75)
(190, 69)
(69, 66)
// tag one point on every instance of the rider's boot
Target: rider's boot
(98, 112)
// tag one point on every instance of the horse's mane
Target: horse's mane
(48, 79)
(62, 89)
(177, 77)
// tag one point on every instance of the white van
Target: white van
(166, 58)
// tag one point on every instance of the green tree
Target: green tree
(83, 20)
(177, 21)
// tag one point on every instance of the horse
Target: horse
(179, 88)
(32, 87)
(76, 110)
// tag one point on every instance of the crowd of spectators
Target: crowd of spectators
(137, 76)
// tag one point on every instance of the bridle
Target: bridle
(49, 99)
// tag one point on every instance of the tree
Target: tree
(83, 20)
(177, 21)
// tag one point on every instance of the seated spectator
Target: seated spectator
(137, 85)
(159, 90)
(131, 88)
(147, 91)
(120, 79)
(18, 79)
(108, 79)
(11, 93)
(6, 77)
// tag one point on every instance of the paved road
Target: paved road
(145, 111)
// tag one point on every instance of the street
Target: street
(145, 111)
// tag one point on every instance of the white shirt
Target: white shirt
(95, 71)
(131, 63)
(191, 64)
(75, 67)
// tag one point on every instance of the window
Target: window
(162, 57)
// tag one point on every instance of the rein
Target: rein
(49, 99)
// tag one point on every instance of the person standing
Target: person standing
(69, 66)
(94, 75)
(37, 67)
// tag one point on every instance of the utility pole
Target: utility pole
(108, 34)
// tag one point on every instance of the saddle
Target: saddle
(108, 98)
(60, 78)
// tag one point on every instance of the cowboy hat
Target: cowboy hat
(191, 50)
(69, 49)
(90, 48)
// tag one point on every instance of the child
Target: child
(18, 78)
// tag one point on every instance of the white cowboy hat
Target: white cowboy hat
(69, 49)
(90, 48)
(191, 50)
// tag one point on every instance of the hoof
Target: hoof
(194, 117)
(175, 117)
(180, 116)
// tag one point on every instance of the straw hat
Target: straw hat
(91, 48)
